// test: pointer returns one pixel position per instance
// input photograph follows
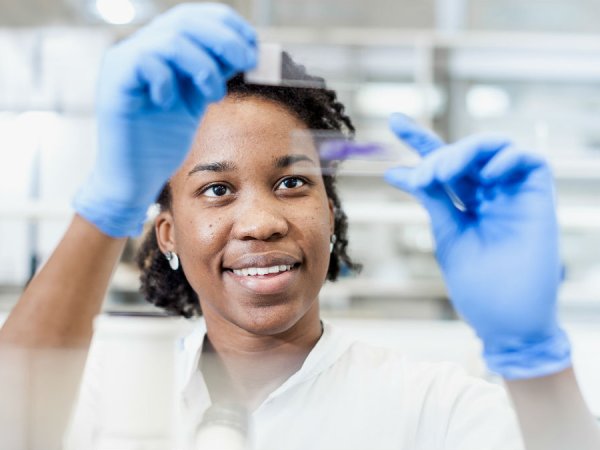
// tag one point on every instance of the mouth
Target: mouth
(263, 274)
(263, 271)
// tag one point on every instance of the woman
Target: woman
(239, 203)
(247, 199)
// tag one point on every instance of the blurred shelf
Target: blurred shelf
(580, 294)
(572, 293)
(579, 217)
(365, 36)
(576, 169)
(580, 169)
(496, 55)
(126, 278)
(405, 213)
(570, 217)
(364, 287)
(36, 210)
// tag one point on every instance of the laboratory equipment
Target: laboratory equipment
(348, 155)
(135, 360)
(271, 69)
(224, 427)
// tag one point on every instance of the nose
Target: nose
(260, 217)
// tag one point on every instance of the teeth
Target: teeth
(253, 271)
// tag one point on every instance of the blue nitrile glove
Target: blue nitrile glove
(499, 257)
(154, 88)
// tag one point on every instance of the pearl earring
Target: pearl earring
(173, 260)
(332, 242)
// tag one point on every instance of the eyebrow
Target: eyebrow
(228, 166)
(288, 160)
(221, 166)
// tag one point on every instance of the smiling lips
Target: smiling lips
(264, 274)
(253, 271)
(268, 261)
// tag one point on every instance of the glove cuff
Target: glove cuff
(524, 359)
(112, 218)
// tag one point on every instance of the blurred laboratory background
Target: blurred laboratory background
(530, 70)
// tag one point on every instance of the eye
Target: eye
(216, 190)
(291, 183)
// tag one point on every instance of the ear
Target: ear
(165, 232)
(331, 217)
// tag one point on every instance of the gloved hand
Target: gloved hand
(498, 251)
(154, 88)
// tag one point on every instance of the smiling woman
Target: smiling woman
(258, 227)
(252, 213)
(251, 227)
(240, 172)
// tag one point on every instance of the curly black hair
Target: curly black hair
(317, 107)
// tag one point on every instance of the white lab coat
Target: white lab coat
(347, 396)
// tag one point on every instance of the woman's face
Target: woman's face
(250, 218)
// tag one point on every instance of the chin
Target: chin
(274, 319)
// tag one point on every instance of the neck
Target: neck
(245, 367)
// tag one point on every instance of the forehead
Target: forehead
(247, 130)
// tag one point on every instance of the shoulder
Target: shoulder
(363, 356)
(438, 399)
(439, 384)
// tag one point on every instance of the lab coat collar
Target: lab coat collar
(324, 354)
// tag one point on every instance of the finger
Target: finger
(232, 51)
(193, 62)
(217, 28)
(426, 179)
(192, 97)
(161, 82)
(510, 165)
(232, 18)
(412, 180)
(418, 137)
(465, 158)
(229, 16)
(455, 168)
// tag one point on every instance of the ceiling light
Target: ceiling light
(116, 12)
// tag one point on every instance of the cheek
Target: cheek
(199, 239)
(316, 228)
(313, 230)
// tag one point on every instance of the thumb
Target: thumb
(419, 138)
